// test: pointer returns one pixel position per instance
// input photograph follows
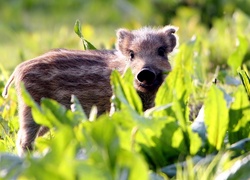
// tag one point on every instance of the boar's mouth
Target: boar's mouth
(148, 80)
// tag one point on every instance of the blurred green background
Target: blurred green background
(29, 28)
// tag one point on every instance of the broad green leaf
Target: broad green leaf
(104, 134)
(239, 115)
(54, 112)
(200, 62)
(181, 111)
(125, 94)
(77, 109)
(86, 44)
(154, 110)
(130, 166)
(192, 140)
(195, 142)
(135, 129)
(62, 151)
(164, 97)
(178, 84)
(216, 118)
(176, 90)
(164, 147)
(39, 118)
(37, 113)
(89, 170)
(125, 125)
(236, 59)
(27, 98)
(107, 154)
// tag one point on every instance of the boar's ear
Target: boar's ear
(171, 38)
(124, 36)
(170, 29)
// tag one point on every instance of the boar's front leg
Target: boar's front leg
(28, 130)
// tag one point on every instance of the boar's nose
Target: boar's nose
(146, 75)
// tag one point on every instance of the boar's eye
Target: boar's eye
(131, 54)
(161, 51)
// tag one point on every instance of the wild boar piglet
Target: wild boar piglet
(60, 73)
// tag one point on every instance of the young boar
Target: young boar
(60, 73)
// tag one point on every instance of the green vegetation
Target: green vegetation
(210, 68)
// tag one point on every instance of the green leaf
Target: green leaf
(177, 85)
(106, 138)
(86, 44)
(236, 59)
(77, 109)
(36, 111)
(54, 112)
(195, 142)
(165, 147)
(239, 115)
(164, 97)
(106, 152)
(245, 80)
(181, 110)
(216, 118)
(154, 110)
(27, 98)
(130, 166)
(77, 28)
(192, 140)
(176, 91)
(125, 93)
(62, 151)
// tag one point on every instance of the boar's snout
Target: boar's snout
(149, 79)
(146, 76)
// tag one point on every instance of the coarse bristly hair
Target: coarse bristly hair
(151, 36)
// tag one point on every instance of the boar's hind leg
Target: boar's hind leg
(28, 130)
